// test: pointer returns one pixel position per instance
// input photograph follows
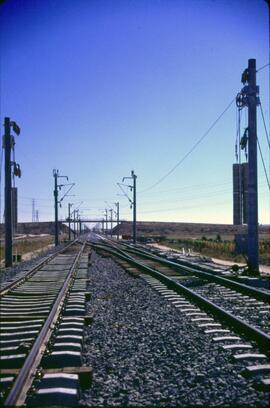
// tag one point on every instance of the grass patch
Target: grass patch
(217, 248)
(23, 246)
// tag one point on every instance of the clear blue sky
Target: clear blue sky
(103, 87)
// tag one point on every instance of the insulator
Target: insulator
(17, 170)
(244, 140)
(244, 77)
(240, 100)
(236, 152)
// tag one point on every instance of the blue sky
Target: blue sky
(103, 87)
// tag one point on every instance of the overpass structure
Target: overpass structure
(92, 220)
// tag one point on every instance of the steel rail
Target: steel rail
(18, 392)
(31, 272)
(204, 274)
(262, 339)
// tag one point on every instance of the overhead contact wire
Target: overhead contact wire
(191, 150)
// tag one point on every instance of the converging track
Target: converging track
(243, 301)
(42, 319)
(101, 322)
(236, 315)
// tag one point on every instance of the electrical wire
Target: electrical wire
(264, 124)
(262, 159)
(125, 194)
(268, 142)
(191, 198)
(191, 150)
(261, 68)
(183, 208)
(187, 198)
(197, 187)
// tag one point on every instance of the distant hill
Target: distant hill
(37, 228)
(185, 229)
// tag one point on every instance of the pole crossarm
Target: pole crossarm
(65, 195)
(123, 191)
(57, 202)
(133, 203)
(89, 220)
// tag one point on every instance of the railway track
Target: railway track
(235, 315)
(243, 301)
(44, 316)
(42, 320)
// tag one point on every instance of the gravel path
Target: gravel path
(144, 352)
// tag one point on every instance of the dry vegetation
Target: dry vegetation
(213, 240)
(26, 245)
(218, 246)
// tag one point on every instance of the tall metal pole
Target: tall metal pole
(253, 252)
(74, 223)
(134, 208)
(77, 222)
(106, 219)
(56, 240)
(8, 216)
(69, 220)
(117, 215)
(111, 211)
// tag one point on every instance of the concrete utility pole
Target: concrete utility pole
(77, 224)
(56, 202)
(8, 144)
(249, 97)
(117, 219)
(74, 223)
(111, 211)
(106, 219)
(69, 221)
(8, 218)
(134, 204)
(134, 208)
(55, 193)
(253, 245)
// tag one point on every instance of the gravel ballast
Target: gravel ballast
(240, 307)
(145, 352)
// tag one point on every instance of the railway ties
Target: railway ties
(245, 307)
(227, 313)
(42, 334)
(61, 370)
(247, 303)
(58, 375)
(239, 347)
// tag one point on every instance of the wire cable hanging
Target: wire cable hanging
(190, 151)
(262, 159)
(264, 124)
(261, 68)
